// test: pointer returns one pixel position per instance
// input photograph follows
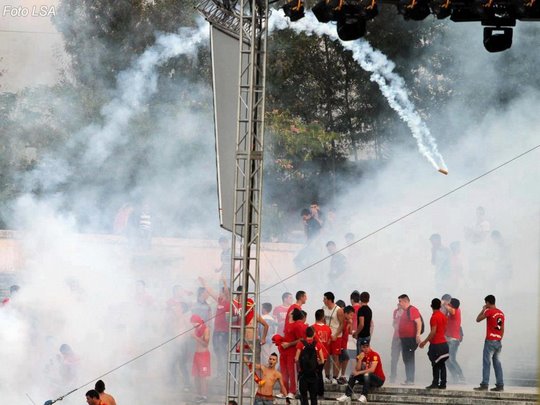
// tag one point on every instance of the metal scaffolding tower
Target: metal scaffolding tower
(246, 20)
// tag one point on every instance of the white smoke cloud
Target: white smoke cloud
(78, 289)
(382, 71)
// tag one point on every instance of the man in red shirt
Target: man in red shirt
(220, 338)
(453, 337)
(280, 312)
(409, 331)
(396, 343)
(492, 345)
(301, 299)
(368, 372)
(348, 313)
(200, 369)
(323, 334)
(294, 332)
(438, 347)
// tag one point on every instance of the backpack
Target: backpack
(422, 319)
(308, 359)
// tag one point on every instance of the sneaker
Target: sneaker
(432, 387)
(442, 386)
(362, 398)
(280, 396)
(327, 380)
(343, 398)
(290, 395)
(333, 381)
(498, 388)
(407, 383)
(481, 388)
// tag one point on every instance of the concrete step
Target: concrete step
(397, 395)
(415, 401)
(408, 396)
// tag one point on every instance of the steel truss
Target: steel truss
(247, 21)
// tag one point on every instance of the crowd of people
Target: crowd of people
(311, 356)
(335, 349)
(303, 357)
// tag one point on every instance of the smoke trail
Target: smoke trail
(134, 87)
(390, 83)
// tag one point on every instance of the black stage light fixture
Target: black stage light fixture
(367, 9)
(323, 11)
(497, 39)
(294, 9)
(441, 8)
(416, 10)
(350, 29)
(527, 9)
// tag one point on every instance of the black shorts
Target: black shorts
(344, 355)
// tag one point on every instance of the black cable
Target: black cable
(404, 216)
(314, 264)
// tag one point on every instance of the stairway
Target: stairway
(460, 395)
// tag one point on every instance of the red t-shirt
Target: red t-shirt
(280, 314)
(220, 321)
(323, 334)
(454, 324)
(249, 305)
(199, 330)
(494, 324)
(395, 318)
(407, 327)
(438, 319)
(294, 331)
(291, 308)
(345, 335)
(355, 317)
(369, 358)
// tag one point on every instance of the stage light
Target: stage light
(294, 9)
(415, 10)
(349, 29)
(323, 11)
(441, 8)
(497, 39)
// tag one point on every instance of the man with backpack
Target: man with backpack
(411, 326)
(309, 355)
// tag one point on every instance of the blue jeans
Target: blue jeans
(263, 401)
(451, 363)
(492, 350)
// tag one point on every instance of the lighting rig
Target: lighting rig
(498, 16)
